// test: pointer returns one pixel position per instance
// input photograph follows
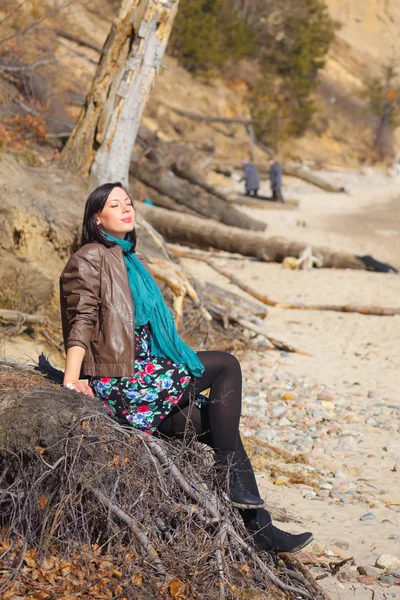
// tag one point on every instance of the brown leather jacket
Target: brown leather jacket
(97, 310)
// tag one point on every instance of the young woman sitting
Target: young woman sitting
(120, 335)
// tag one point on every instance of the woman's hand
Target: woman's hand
(79, 386)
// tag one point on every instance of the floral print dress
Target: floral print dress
(145, 399)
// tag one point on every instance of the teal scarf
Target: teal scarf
(150, 307)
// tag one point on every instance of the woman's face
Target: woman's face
(118, 215)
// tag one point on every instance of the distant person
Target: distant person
(275, 176)
(250, 176)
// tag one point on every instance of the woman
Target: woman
(120, 334)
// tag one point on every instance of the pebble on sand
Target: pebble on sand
(368, 517)
(325, 395)
(365, 580)
(344, 546)
(388, 580)
(387, 561)
(370, 571)
(281, 480)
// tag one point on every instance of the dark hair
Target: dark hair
(95, 204)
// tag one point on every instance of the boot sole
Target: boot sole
(299, 547)
(251, 506)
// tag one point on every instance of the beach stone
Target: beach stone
(388, 580)
(347, 447)
(282, 480)
(395, 574)
(338, 494)
(284, 422)
(388, 561)
(309, 494)
(325, 395)
(368, 517)
(278, 411)
(323, 494)
(325, 485)
(339, 475)
(348, 573)
(370, 571)
(344, 546)
(365, 580)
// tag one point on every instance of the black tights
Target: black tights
(217, 422)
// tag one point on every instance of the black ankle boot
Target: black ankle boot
(269, 538)
(231, 479)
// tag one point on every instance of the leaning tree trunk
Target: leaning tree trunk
(102, 141)
(206, 233)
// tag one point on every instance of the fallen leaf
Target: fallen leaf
(43, 502)
(30, 559)
(47, 564)
(117, 574)
(175, 587)
(40, 449)
(137, 579)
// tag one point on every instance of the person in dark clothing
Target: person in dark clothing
(119, 333)
(275, 176)
(250, 176)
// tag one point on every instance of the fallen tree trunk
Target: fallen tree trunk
(193, 197)
(223, 308)
(312, 178)
(184, 169)
(202, 233)
(169, 203)
(181, 160)
(291, 170)
(379, 311)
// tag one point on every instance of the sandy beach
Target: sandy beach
(351, 437)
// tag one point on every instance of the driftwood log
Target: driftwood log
(380, 311)
(116, 512)
(17, 317)
(191, 196)
(169, 203)
(228, 307)
(177, 157)
(203, 233)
